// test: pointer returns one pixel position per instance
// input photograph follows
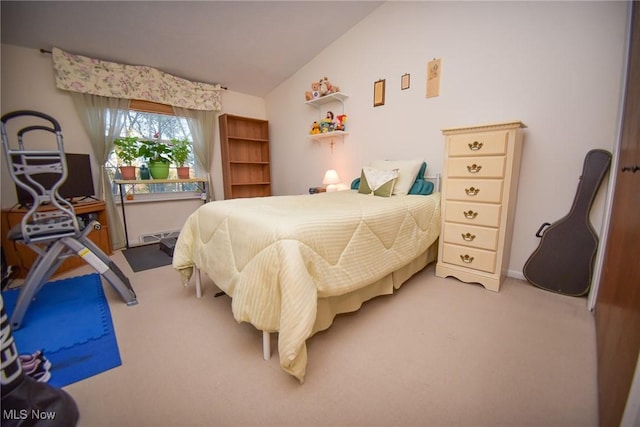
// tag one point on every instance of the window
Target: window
(148, 120)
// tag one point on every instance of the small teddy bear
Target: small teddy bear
(314, 93)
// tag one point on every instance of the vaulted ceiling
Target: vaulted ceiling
(248, 46)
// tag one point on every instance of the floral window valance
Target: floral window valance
(78, 73)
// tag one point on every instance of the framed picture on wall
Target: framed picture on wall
(405, 81)
(378, 93)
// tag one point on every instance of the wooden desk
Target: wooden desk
(23, 257)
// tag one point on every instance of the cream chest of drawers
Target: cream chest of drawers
(481, 169)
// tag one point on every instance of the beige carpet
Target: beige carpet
(437, 353)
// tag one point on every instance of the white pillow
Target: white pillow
(407, 172)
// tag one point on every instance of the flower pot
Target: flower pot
(128, 172)
(183, 172)
(159, 170)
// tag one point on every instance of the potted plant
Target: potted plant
(127, 152)
(158, 156)
(180, 149)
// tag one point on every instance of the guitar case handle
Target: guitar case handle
(539, 232)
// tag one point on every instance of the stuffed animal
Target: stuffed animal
(313, 93)
(326, 87)
(323, 87)
(339, 122)
(327, 124)
(315, 128)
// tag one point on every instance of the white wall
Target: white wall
(556, 66)
(27, 82)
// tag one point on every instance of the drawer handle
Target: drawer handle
(470, 214)
(472, 191)
(475, 146)
(468, 237)
(466, 258)
(474, 168)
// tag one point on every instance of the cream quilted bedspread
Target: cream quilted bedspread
(275, 256)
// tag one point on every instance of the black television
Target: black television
(79, 183)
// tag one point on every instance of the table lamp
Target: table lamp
(331, 178)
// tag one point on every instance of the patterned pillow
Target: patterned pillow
(407, 172)
(377, 182)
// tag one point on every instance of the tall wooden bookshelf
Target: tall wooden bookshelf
(246, 166)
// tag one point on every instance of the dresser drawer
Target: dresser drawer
(477, 259)
(479, 167)
(478, 144)
(473, 213)
(475, 190)
(468, 235)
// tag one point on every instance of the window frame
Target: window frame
(154, 196)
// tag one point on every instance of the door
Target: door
(617, 309)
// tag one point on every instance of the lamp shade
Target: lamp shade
(331, 177)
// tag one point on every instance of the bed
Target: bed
(292, 263)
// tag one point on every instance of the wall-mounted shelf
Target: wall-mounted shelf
(328, 135)
(332, 97)
(318, 103)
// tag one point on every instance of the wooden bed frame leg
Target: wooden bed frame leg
(266, 345)
(198, 282)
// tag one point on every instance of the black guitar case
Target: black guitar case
(563, 261)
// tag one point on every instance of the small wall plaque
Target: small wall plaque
(433, 78)
(378, 93)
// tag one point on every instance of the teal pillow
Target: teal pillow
(422, 187)
(421, 172)
(355, 184)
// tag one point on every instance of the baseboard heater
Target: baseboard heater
(158, 236)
